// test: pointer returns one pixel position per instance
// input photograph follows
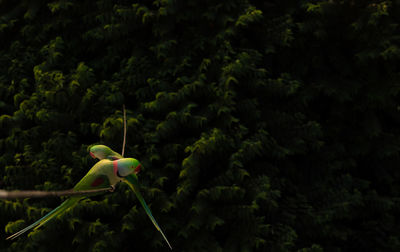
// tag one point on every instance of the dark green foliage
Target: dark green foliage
(261, 126)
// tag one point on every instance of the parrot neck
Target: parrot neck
(115, 165)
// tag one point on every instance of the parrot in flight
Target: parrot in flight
(103, 174)
(104, 152)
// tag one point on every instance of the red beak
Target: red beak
(91, 154)
(137, 169)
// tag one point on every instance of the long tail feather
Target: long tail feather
(56, 211)
(133, 183)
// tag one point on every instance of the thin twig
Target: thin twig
(123, 143)
(42, 194)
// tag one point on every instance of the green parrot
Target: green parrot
(103, 174)
(103, 152)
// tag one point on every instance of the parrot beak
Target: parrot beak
(92, 155)
(137, 169)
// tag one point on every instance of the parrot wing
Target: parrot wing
(92, 181)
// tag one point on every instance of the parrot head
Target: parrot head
(100, 151)
(127, 166)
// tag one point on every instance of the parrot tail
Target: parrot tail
(133, 183)
(56, 211)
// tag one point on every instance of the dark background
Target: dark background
(261, 126)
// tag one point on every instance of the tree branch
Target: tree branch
(43, 194)
(123, 143)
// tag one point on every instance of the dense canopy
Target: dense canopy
(261, 125)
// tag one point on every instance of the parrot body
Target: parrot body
(100, 176)
(103, 174)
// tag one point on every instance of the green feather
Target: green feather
(55, 212)
(133, 183)
(97, 177)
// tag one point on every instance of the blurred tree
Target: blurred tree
(261, 126)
